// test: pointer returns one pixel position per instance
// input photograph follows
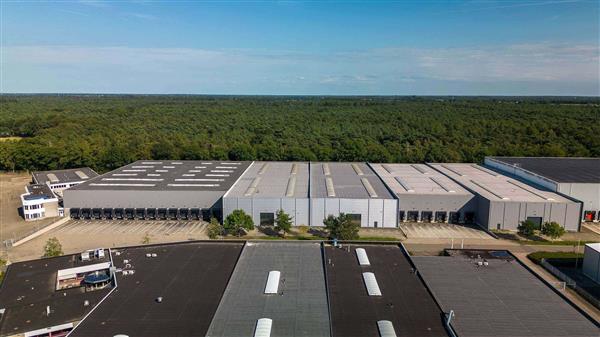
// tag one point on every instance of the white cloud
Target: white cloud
(542, 68)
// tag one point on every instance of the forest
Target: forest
(39, 132)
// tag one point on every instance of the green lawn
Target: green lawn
(538, 256)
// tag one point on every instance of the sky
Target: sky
(301, 47)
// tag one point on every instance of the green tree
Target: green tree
(283, 222)
(526, 228)
(52, 248)
(214, 228)
(237, 222)
(342, 227)
(553, 230)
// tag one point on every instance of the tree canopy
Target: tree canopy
(237, 222)
(342, 227)
(52, 248)
(283, 222)
(108, 131)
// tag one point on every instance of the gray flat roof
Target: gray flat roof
(496, 186)
(562, 170)
(38, 191)
(272, 180)
(346, 180)
(169, 175)
(502, 299)
(406, 179)
(64, 176)
(299, 308)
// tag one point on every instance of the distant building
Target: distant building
(591, 261)
(39, 202)
(577, 178)
(59, 180)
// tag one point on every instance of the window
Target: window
(355, 218)
(536, 220)
(25, 207)
(267, 219)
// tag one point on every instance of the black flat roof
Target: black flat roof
(39, 191)
(405, 301)
(169, 175)
(502, 299)
(29, 287)
(190, 277)
(561, 170)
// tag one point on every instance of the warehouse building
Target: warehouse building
(503, 202)
(277, 289)
(267, 187)
(578, 178)
(591, 261)
(492, 294)
(350, 188)
(59, 180)
(156, 190)
(426, 195)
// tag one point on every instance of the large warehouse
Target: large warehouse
(578, 178)
(503, 202)
(426, 195)
(267, 187)
(350, 188)
(156, 190)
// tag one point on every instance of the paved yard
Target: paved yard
(78, 235)
(442, 231)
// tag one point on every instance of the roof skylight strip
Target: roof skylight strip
(291, 187)
(367, 184)
(357, 169)
(404, 184)
(489, 190)
(440, 184)
(120, 184)
(132, 179)
(199, 179)
(263, 327)
(329, 186)
(194, 185)
(371, 284)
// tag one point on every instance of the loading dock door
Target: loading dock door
(536, 220)
(140, 213)
(74, 213)
(454, 217)
(107, 213)
(151, 213)
(119, 213)
(426, 216)
(412, 216)
(440, 217)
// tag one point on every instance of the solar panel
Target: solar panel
(363, 259)
(272, 285)
(371, 284)
(263, 327)
(386, 329)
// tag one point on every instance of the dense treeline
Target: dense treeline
(105, 132)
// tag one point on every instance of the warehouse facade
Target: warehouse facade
(426, 195)
(578, 178)
(350, 188)
(267, 187)
(156, 190)
(503, 202)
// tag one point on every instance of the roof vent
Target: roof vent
(272, 282)
(291, 187)
(263, 327)
(81, 175)
(329, 186)
(371, 284)
(357, 169)
(386, 329)
(363, 259)
(367, 184)
(326, 170)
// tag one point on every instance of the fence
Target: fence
(571, 283)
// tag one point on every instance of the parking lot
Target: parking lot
(150, 227)
(442, 231)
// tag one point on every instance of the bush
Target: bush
(553, 230)
(237, 222)
(342, 227)
(214, 229)
(526, 228)
(52, 248)
(538, 256)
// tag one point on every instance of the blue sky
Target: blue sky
(296, 47)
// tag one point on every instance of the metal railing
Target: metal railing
(571, 283)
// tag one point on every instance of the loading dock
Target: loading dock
(107, 213)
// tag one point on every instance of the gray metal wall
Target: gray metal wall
(589, 194)
(296, 207)
(141, 199)
(382, 211)
(509, 213)
(591, 263)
